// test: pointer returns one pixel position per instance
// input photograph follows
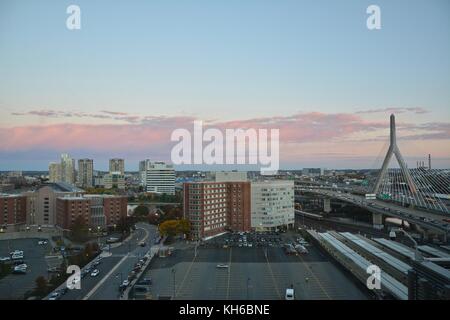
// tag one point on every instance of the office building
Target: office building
(12, 209)
(117, 165)
(114, 180)
(54, 172)
(272, 204)
(158, 177)
(67, 169)
(85, 173)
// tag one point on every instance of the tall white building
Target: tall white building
(272, 204)
(117, 165)
(157, 177)
(85, 177)
(67, 169)
(54, 172)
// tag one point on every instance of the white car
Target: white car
(221, 266)
(125, 283)
(4, 259)
(95, 273)
(42, 242)
(289, 294)
(54, 296)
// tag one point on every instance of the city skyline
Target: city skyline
(319, 75)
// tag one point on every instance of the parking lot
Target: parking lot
(14, 286)
(261, 271)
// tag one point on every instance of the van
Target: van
(289, 294)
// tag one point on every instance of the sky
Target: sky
(138, 70)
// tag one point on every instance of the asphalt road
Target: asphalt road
(109, 290)
(121, 259)
(250, 275)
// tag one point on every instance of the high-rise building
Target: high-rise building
(54, 172)
(142, 171)
(272, 204)
(158, 177)
(216, 207)
(85, 173)
(67, 169)
(117, 165)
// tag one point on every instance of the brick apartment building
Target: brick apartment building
(216, 207)
(13, 209)
(96, 210)
(68, 209)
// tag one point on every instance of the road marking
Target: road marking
(86, 297)
(229, 274)
(184, 278)
(273, 278)
(314, 276)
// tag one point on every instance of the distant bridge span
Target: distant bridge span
(426, 219)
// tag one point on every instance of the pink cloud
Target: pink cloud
(302, 135)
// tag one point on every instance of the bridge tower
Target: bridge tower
(394, 150)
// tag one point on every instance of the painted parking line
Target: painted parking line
(185, 276)
(272, 276)
(229, 274)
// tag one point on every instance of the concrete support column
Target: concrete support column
(377, 220)
(326, 205)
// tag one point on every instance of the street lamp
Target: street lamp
(98, 235)
(417, 255)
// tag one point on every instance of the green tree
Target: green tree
(79, 230)
(174, 227)
(141, 211)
